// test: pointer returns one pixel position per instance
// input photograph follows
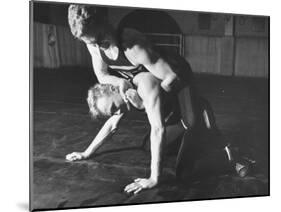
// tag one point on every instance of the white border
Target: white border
(14, 103)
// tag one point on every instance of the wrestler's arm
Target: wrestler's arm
(140, 52)
(152, 106)
(108, 129)
(159, 68)
(150, 93)
(101, 71)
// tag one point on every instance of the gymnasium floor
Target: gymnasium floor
(62, 125)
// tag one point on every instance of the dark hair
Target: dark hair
(95, 93)
(86, 20)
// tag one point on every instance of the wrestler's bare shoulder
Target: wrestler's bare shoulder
(146, 83)
(145, 77)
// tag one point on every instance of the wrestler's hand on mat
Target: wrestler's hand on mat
(76, 156)
(140, 184)
(124, 85)
(133, 97)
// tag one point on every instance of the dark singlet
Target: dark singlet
(170, 109)
(122, 61)
(179, 65)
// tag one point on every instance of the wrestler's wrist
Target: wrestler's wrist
(123, 85)
(85, 154)
(154, 178)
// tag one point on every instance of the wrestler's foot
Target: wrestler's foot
(241, 169)
(243, 166)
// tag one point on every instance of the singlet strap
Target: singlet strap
(120, 61)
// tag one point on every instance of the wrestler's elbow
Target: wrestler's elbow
(169, 82)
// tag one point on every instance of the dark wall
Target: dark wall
(50, 13)
(214, 43)
(188, 22)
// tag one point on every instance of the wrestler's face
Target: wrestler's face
(102, 40)
(112, 104)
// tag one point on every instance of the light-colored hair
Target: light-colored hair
(86, 20)
(95, 93)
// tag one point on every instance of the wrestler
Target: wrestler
(105, 100)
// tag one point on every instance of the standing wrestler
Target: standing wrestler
(128, 52)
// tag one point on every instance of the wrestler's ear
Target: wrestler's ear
(111, 88)
(114, 89)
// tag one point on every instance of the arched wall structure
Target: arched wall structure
(150, 21)
(159, 27)
(213, 50)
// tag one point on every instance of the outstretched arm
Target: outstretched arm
(153, 111)
(140, 52)
(149, 91)
(159, 68)
(108, 129)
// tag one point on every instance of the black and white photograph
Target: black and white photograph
(133, 105)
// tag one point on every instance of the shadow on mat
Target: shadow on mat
(123, 149)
